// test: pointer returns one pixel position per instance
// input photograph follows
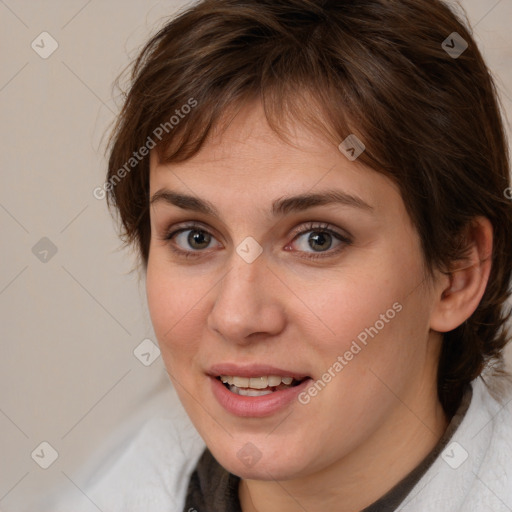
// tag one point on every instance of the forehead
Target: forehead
(248, 162)
(248, 137)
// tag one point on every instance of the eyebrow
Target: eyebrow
(280, 207)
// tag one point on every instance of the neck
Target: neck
(363, 476)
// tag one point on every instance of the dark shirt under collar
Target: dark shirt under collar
(213, 489)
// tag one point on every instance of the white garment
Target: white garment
(153, 472)
(483, 482)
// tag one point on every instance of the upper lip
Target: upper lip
(252, 370)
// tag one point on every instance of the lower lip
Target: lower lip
(255, 406)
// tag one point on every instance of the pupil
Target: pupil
(198, 237)
(320, 238)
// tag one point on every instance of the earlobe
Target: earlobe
(467, 282)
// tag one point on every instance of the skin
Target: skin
(378, 417)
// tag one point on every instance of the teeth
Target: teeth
(256, 383)
(241, 382)
(226, 379)
(250, 392)
(274, 380)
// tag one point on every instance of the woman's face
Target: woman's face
(257, 284)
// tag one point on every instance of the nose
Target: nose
(247, 304)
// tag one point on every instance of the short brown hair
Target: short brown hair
(430, 121)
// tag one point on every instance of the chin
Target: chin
(261, 460)
(266, 471)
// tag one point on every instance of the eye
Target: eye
(190, 240)
(321, 239)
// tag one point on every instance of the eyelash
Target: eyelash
(312, 226)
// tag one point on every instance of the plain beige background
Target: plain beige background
(72, 320)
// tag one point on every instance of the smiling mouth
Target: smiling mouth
(258, 386)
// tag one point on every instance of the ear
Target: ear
(459, 294)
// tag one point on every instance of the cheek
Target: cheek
(174, 307)
(350, 306)
(374, 321)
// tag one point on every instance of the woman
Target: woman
(317, 191)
